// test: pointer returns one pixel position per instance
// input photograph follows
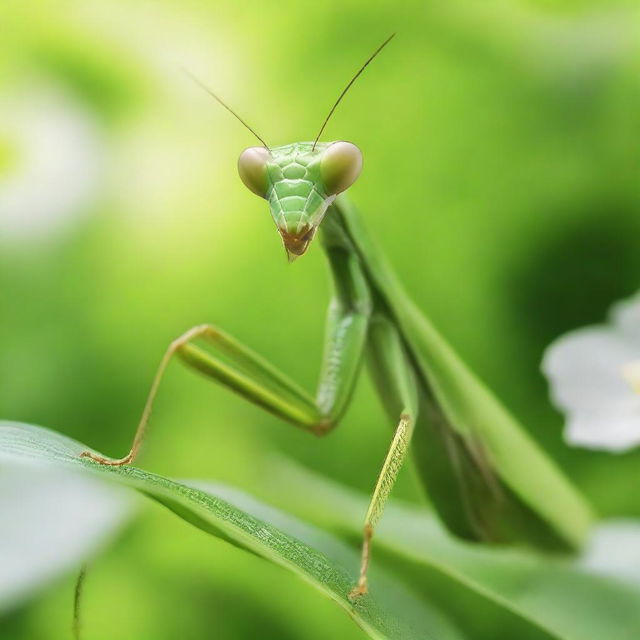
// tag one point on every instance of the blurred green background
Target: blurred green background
(501, 176)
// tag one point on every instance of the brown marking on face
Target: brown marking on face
(297, 243)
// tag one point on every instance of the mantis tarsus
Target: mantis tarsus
(466, 444)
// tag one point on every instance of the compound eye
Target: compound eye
(252, 167)
(340, 166)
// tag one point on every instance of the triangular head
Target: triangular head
(300, 181)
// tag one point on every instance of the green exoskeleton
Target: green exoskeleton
(485, 477)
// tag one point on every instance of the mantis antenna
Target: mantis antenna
(344, 91)
(225, 105)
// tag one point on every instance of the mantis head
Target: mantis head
(300, 181)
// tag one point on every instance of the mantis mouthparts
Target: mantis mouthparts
(297, 243)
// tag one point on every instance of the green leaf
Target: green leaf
(578, 598)
(391, 611)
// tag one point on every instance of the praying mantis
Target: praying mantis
(485, 477)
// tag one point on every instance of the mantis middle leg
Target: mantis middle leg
(393, 376)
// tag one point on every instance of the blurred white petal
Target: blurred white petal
(611, 432)
(614, 550)
(588, 371)
(57, 155)
(625, 315)
(51, 522)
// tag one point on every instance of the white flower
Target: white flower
(55, 155)
(594, 375)
(613, 550)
